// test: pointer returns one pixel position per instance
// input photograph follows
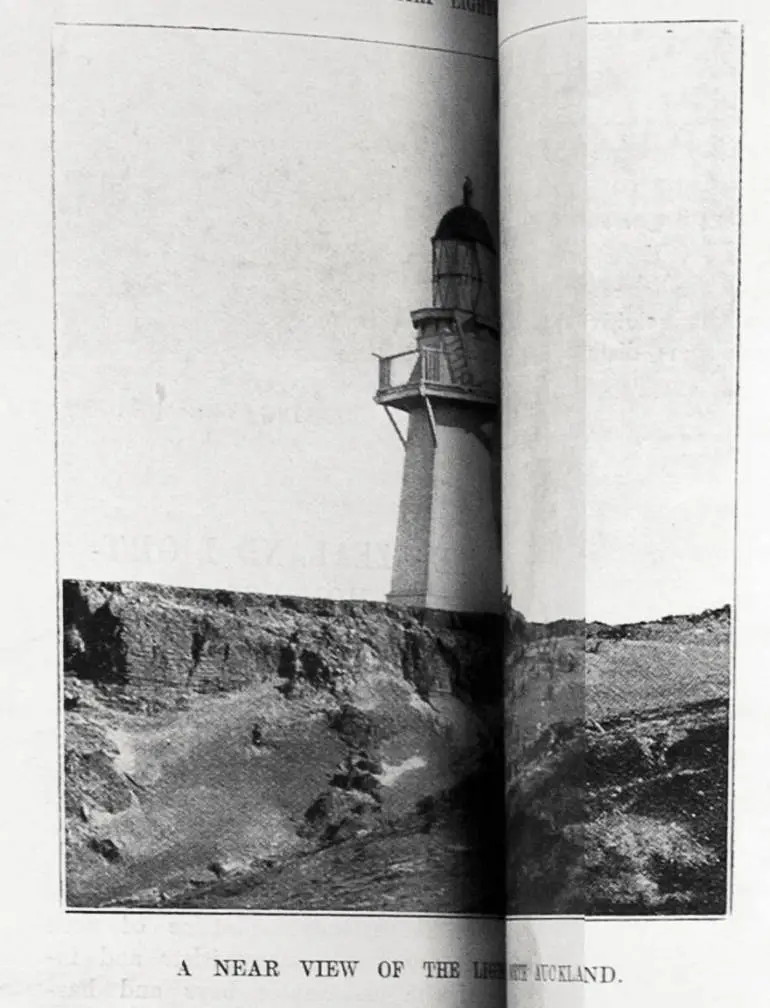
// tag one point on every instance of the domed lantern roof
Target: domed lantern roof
(465, 223)
(464, 267)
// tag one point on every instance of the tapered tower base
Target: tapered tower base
(447, 545)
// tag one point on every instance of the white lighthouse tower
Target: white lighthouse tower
(447, 553)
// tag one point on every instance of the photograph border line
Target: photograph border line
(60, 676)
(59, 629)
(540, 27)
(730, 824)
(183, 912)
(267, 32)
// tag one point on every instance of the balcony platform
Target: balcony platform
(408, 377)
(407, 397)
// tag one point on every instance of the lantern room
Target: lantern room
(464, 261)
(447, 553)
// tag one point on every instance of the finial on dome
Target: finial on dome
(464, 223)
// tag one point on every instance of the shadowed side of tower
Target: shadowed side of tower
(447, 553)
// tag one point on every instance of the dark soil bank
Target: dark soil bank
(233, 750)
(617, 766)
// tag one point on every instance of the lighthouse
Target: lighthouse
(447, 553)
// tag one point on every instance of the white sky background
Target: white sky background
(543, 294)
(227, 263)
(664, 119)
(231, 248)
(620, 346)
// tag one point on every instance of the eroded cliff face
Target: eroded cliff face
(230, 750)
(618, 766)
(155, 640)
(224, 748)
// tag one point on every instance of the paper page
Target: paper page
(277, 788)
(634, 226)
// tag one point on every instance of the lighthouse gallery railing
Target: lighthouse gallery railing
(423, 365)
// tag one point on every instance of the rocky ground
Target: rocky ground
(244, 751)
(618, 767)
(231, 750)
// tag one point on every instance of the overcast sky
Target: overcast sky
(227, 262)
(620, 360)
(663, 255)
(241, 220)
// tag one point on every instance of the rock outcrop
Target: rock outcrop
(618, 766)
(248, 751)
(217, 740)
(156, 641)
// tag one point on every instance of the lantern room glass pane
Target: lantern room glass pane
(461, 278)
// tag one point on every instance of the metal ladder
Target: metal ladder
(453, 345)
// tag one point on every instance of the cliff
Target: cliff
(618, 766)
(221, 748)
(233, 750)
